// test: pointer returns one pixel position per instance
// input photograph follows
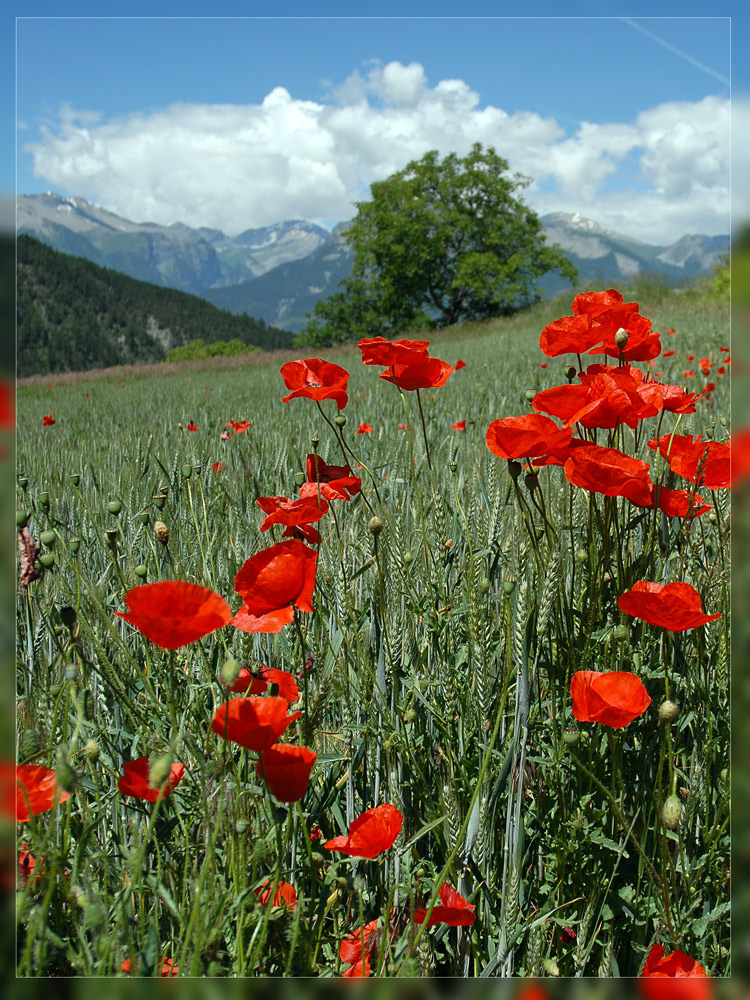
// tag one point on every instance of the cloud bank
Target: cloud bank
(236, 166)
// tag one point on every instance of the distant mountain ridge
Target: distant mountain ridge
(277, 273)
(176, 256)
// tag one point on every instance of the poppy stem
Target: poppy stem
(424, 435)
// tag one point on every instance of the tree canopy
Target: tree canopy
(439, 243)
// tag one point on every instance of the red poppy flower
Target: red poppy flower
(568, 335)
(219, 467)
(543, 364)
(287, 770)
(285, 894)
(225, 436)
(404, 427)
(596, 303)
(706, 463)
(679, 503)
(560, 455)
(721, 370)
(608, 471)
(359, 970)
(253, 723)
(460, 425)
(316, 379)
(291, 513)
(454, 910)
(607, 397)
(677, 400)
(315, 834)
(359, 946)
(676, 965)
(240, 426)
(708, 388)
(272, 583)
(690, 357)
(526, 437)
(305, 533)
(459, 364)
(614, 698)
(428, 373)
(670, 332)
(379, 351)
(340, 483)
(364, 429)
(643, 343)
(36, 791)
(674, 606)
(168, 968)
(258, 683)
(175, 613)
(27, 864)
(135, 783)
(191, 426)
(370, 834)
(668, 354)
(689, 374)
(48, 421)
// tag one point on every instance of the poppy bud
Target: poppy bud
(621, 338)
(299, 478)
(159, 500)
(514, 468)
(44, 500)
(712, 517)
(668, 712)
(509, 586)
(141, 571)
(70, 674)
(75, 478)
(48, 538)
(408, 558)
(159, 770)
(671, 812)
(110, 538)
(23, 482)
(340, 420)
(570, 372)
(67, 615)
(29, 743)
(67, 778)
(47, 560)
(114, 507)
(55, 689)
(91, 751)
(375, 526)
(240, 826)
(162, 532)
(75, 544)
(230, 672)
(531, 481)
(582, 556)
(530, 394)
(22, 518)
(622, 633)
(187, 471)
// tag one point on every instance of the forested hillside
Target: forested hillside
(74, 315)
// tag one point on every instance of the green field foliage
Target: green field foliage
(434, 674)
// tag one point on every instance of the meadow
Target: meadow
(456, 595)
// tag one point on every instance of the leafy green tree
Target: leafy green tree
(439, 243)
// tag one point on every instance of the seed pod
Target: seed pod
(22, 518)
(162, 532)
(514, 468)
(74, 546)
(340, 420)
(142, 517)
(375, 525)
(29, 742)
(671, 812)
(241, 826)
(530, 394)
(408, 558)
(582, 556)
(531, 481)
(197, 469)
(48, 538)
(141, 571)
(75, 478)
(187, 471)
(315, 441)
(622, 633)
(453, 466)
(55, 690)
(110, 538)
(23, 482)
(570, 372)
(571, 737)
(44, 500)
(114, 507)
(509, 586)
(668, 712)
(47, 559)
(160, 500)
(299, 478)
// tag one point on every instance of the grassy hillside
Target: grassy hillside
(74, 315)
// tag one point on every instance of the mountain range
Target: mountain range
(277, 273)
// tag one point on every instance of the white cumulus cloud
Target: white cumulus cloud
(245, 165)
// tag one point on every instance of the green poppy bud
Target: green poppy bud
(74, 546)
(230, 672)
(29, 743)
(509, 586)
(214, 970)
(671, 812)
(47, 559)
(44, 500)
(187, 471)
(141, 571)
(551, 967)
(114, 506)
(530, 394)
(70, 674)
(23, 482)
(241, 826)
(75, 478)
(622, 633)
(582, 556)
(408, 558)
(55, 690)
(160, 500)
(484, 586)
(375, 525)
(159, 769)
(91, 751)
(48, 538)
(668, 712)
(22, 518)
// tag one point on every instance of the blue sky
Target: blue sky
(624, 120)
